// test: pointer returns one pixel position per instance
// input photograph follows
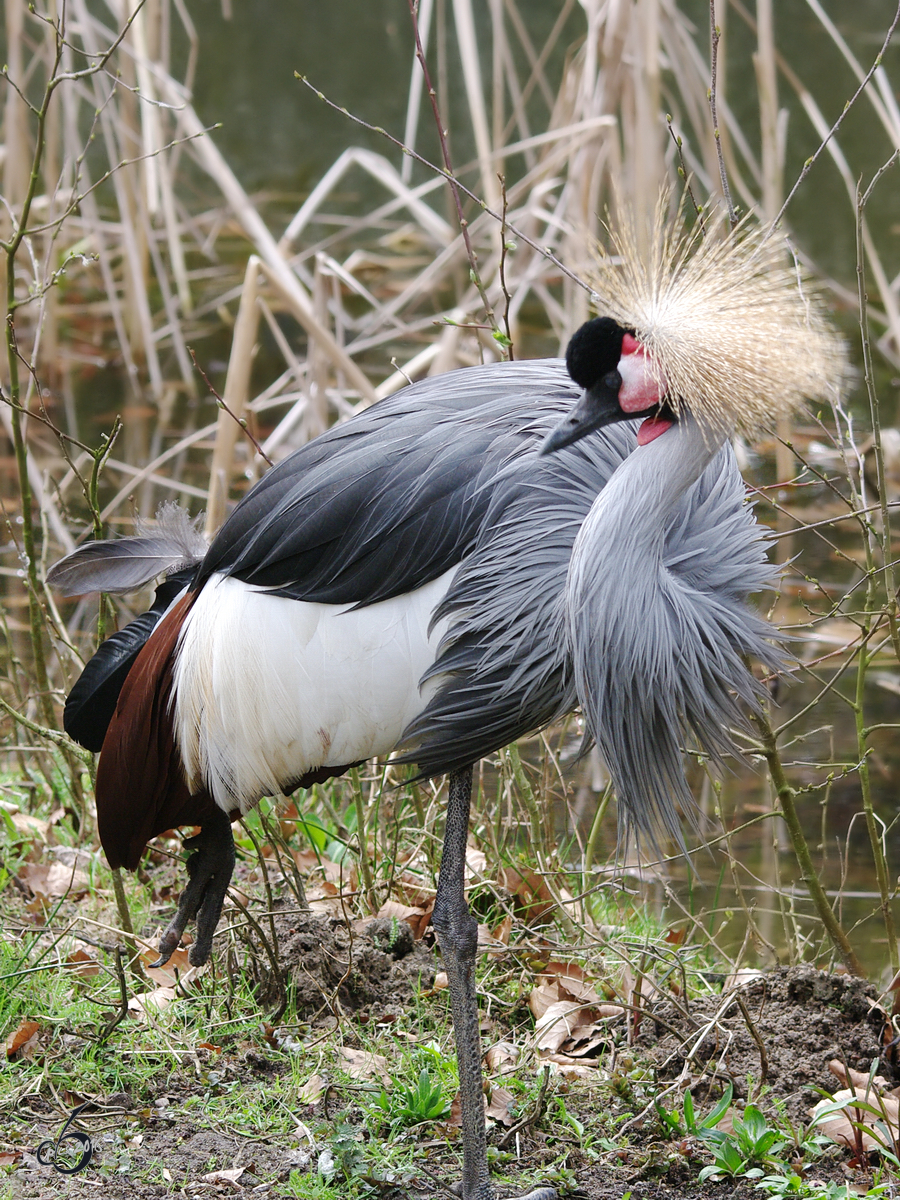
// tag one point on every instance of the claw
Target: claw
(209, 867)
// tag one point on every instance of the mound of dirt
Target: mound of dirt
(794, 1021)
(374, 968)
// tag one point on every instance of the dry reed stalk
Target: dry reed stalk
(17, 139)
(468, 52)
(380, 169)
(416, 83)
(772, 193)
(235, 396)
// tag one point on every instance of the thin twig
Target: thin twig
(716, 35)
(242, 421)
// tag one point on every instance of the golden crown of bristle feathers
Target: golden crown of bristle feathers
(736, 331)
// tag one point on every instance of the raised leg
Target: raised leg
(457, 933)
(210, 868)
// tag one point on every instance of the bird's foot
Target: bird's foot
(209, 867)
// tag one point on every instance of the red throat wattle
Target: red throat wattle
(640, 389)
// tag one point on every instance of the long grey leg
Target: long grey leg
(457, 932)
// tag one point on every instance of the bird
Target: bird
(462, 564)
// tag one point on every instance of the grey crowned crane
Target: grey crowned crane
(460, 565)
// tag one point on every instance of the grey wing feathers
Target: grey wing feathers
(392, 499)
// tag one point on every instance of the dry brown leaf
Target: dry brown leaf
(441, 981)
(840, 1127)
(568, 1067)
(552, 988)
(23, 1039)
(741, 976)
(541, 997)
(558, 1024)
(487, 943)
(530, 890)
(9, 1160)
(325, 900)
(362, 1064)
(476, 864)
(501, 1058)
(147, 1002)
(31, 826)
(857, 1079)
(409, 885)
(416, 918)
(501, 1106)
(570, 970)
(230, 1176)
(310, 1092)
(82, 964)
(177, 970)
(501, 932)
(54, 880)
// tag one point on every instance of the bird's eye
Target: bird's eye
(613, 381)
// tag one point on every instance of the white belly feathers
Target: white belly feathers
(268, 688)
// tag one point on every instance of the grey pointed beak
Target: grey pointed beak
(598, 406)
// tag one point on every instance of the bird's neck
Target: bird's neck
(631, 628)
(632, 512)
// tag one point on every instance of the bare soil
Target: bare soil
(792, 1023)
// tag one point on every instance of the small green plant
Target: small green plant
(752, 1141)
(792, 1185)
(685, 1122)
(414, 1105)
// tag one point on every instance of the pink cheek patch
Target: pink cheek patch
(639, 390)
(652, 428)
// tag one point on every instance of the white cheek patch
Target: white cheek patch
(639, 390)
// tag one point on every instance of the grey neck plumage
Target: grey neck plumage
(656, 619)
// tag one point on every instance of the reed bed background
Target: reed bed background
(132, 252)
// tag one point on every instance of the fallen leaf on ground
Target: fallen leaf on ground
(82, 964)
(146, 1002)
(416, 918)
(54, 880)
(310, 1092)
(31, 826)
(501, 1105)
(476, 863)
(530, 890)
(841, 1127)
(568, 1016)
(23, 1039)
(362, 1064)
(177, 970)
(562, 1024)
(501, 932)
(231, 1176)
(569, 1068)
(860, 1079)
(502, 1058)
